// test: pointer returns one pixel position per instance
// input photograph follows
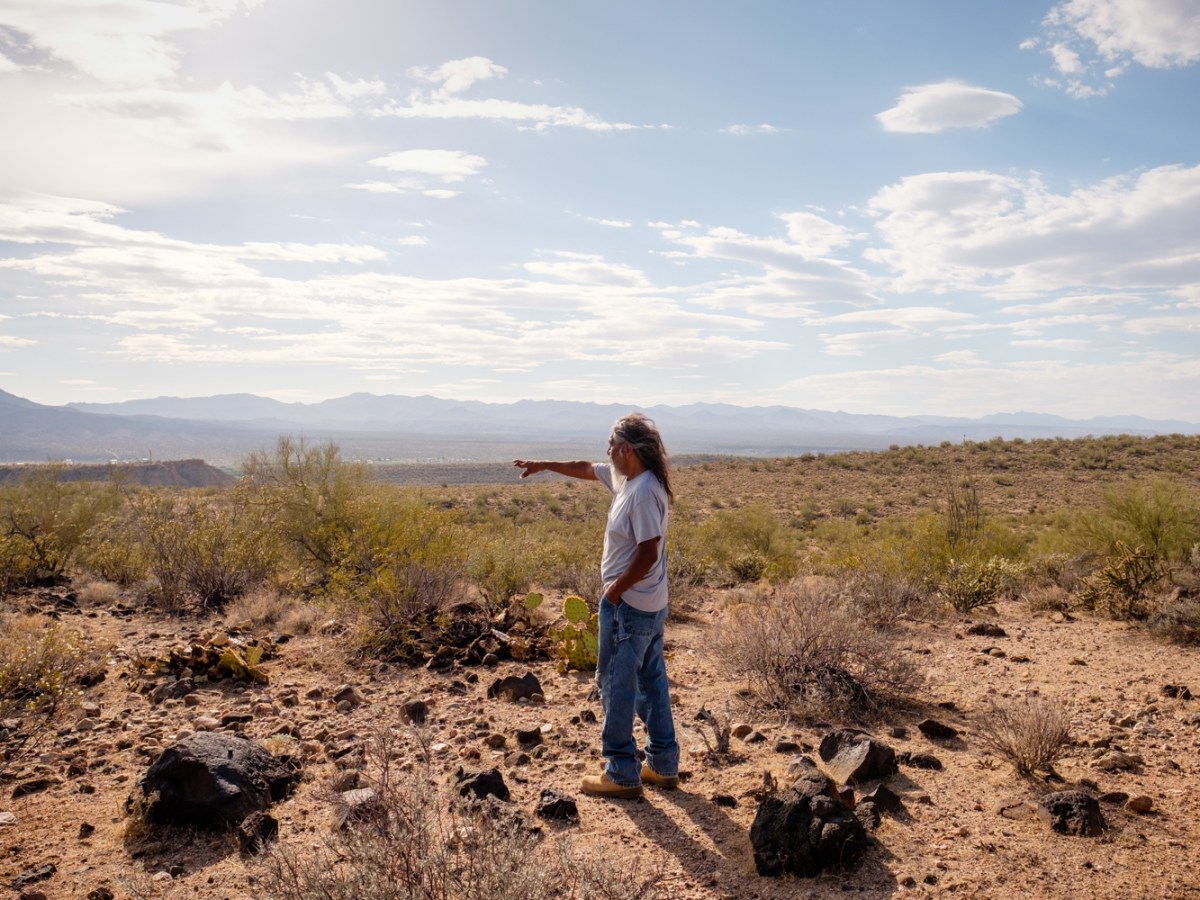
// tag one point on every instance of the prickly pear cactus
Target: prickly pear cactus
(575, 610)
(577, 642)
(532, 601)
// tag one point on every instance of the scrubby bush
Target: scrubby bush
(400, 571)
(268, 607)
(503, 562)
(1178, 622)
(805, 650)
(747, 544)
(1161, 517)
(971, 583)
(44, 521)
(1031, 733)
(41, 663)
(1122, 587)
(201, 551)
(308, 495)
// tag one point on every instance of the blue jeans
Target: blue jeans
(632, 676)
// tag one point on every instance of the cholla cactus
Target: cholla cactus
(577, 642)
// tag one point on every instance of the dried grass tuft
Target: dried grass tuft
(805, 650)
(1031, 733)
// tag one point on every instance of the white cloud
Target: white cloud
(930, 108)
(1093, 42)
(124, 42)
(456, 75)
(1010, 237)
(1133, 381)
(445, 165)
(742, 130)
(152, 298)
(1066, 60)
(1154, 33)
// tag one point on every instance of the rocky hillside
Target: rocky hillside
(170, 473)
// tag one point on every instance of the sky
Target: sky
(911, 208)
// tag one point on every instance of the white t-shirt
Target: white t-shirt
(638, 513)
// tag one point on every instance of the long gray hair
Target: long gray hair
(640, 433)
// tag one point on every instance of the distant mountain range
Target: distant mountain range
(223, 429)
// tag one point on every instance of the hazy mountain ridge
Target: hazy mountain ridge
(224, 428)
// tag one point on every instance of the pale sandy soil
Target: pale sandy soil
(950, 838)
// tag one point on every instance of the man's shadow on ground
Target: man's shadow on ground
(728, 866)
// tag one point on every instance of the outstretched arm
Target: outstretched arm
(577, 468)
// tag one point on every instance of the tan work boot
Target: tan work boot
(666, 782)
(603, 786)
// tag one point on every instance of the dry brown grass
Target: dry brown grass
(1031, 733)
(270, 608)
(416, 842)
(805, 651)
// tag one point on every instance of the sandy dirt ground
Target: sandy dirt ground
(950, 837)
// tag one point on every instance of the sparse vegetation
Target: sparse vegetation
(1031, 733)
(413, 842)
(41, 663)
(804, 651)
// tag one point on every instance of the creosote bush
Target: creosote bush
(45, 520)
(805, 650)
(1031, 733)
(202, 551)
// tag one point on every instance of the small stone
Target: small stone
(787, 747)
(937, 731)
(553, 804)
(1140, 805)
(416, 711)
(1076, 661)
(86, 830)
(987, 629)
(898, 731)
(741, 730)
(348, 694)
(7, 818)
(725, 800)
(495, 740)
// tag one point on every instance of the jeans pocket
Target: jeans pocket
(635, 621)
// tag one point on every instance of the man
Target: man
(630, 669)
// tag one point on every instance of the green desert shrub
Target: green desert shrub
(973, 583)
(1124, 586)
(401, 571)
(504, 560)
(41, 664)
(44, 522)
(747, 544)
(309, 496)
(1161, 517)
(201, 551)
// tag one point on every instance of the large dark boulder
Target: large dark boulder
(805, 830)
(213, 780)
(851, 756)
